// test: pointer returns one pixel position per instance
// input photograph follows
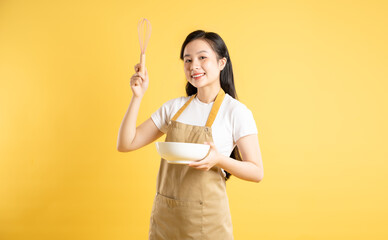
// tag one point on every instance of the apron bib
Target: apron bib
(190, 203)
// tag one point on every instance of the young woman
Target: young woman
(191, 200)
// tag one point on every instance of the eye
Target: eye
(187, 60)
(202, 57)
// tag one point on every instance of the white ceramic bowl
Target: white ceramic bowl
(182, 153)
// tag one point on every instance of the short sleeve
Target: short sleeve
(243, 123)
(162, 116)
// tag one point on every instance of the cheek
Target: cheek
(186, 70)
(211, 65)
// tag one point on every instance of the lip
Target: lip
(197, 74)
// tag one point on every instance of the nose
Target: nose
(194, 64)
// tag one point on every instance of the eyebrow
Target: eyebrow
(187, 55)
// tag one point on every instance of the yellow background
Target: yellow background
(314, 74)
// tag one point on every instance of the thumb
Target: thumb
(210, 143)
(146, 72)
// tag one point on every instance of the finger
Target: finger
(133, 80)
(136, 76)
(137, 67)
(141, 75)
(196, 166)
(193, 164)
(197, 163)
(146, 76)
(203, 168)
(137, 82)
(212, 147)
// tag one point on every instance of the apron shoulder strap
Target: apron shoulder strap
(213, 113)
(216, 106)
(183, 108)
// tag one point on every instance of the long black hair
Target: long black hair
(226, 75)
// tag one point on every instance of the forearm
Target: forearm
(127, 130)
(241, 169)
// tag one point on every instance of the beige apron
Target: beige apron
(191, 203)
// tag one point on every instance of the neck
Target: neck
(208, 94)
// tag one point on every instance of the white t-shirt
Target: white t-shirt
(233, 121)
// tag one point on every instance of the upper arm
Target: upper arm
(146, 133)
(250, 150)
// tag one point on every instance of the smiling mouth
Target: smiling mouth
(198, 76)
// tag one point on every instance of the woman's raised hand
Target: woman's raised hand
(139, 83)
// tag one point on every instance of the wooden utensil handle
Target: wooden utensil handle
(142, 63)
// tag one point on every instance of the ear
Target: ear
(222, 63)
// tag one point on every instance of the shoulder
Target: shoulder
(234, 106)
(241, 118)
(237, 112)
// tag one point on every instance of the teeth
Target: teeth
(199, 75)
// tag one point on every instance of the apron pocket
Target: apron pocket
(176, 219)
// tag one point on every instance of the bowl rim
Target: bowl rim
(183, 143)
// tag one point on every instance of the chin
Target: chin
(197, 85)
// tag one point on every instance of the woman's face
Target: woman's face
(201, 65)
